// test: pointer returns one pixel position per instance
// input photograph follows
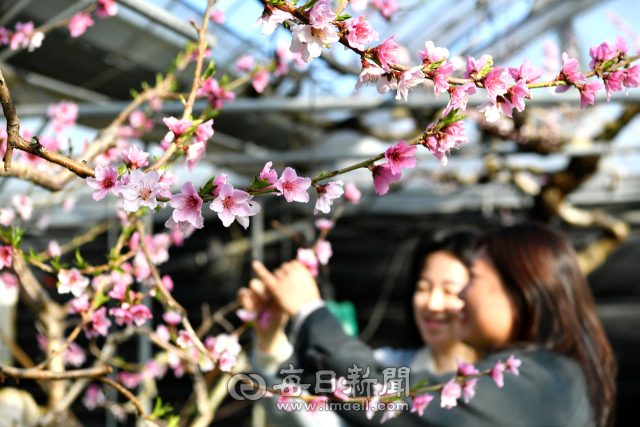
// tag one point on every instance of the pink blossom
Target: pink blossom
(141, 190)
(269, 174)
(227, 362)
(360, 32)
(139, 120)
(163, 333)
(432, 54)
(474, 67)
(219, 182)
(341, 389)
(410, 78)
(386, 83)
(450, 393)
(382, 176)
(184, 340)
(244, 63)
(93, 397)
(492, 110)
(217, 16)
(466, 369)
(78, 24)
(246, 315)
(80, 304)
(154, 369)
(106, 181)
(122, 314)
(234, 204)
(370, 73)
(632, 77)
(223, 343)
(513, 364)
(53, 249)
(7, 216)
(324, 251)
(74, 355)
(440, 78)
(351, 193)
(469, 389)
(260, 80)
(98, 325)
(326, 195)
(293, 188)
(167, 282)
(441, 141)
(387, 7)
(217, 95)
(497, 374)
(177, 127)
(10, 280)
(517, 94)
(602, 53)
(358, 5)
(107, 8)
(460, 95)
(172, 317)
(494, 83)
(321, 14)
(134, 158)
(310, 41)
(187, 206)
(588, 93)
(130, 379)
(569, 73)
(527, 72)
(23, 205)
(72, 281)
(271, 18)
(204, 131)
(62, 114)
(119, 291)
(25, 37)
(387, 52)
(401, 156)
(195, 151)
(324, 224)
(5, 36)
(613, 82)
(420, 403)
(308, 258)
(6, 256)
(620, 45)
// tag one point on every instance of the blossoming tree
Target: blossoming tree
(125, 172)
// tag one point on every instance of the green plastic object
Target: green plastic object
(345, 312)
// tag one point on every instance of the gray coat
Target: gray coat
(550, 391)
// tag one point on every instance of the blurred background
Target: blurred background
(576, 170)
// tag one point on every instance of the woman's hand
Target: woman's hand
(291, 286)
(269, 326)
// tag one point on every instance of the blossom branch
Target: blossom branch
(197, 82)
(53, 376)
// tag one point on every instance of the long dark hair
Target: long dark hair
(460, 244)
(555, 307)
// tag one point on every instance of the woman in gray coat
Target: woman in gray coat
(527, 296)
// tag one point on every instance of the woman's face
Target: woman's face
(488, 315)
(436, 305)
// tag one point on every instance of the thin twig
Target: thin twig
(31, 374)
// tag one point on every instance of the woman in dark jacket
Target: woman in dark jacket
(527, 297)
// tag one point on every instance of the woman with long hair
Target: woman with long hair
(439, 270)
(527, 296)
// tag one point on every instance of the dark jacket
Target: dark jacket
(550, 391)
